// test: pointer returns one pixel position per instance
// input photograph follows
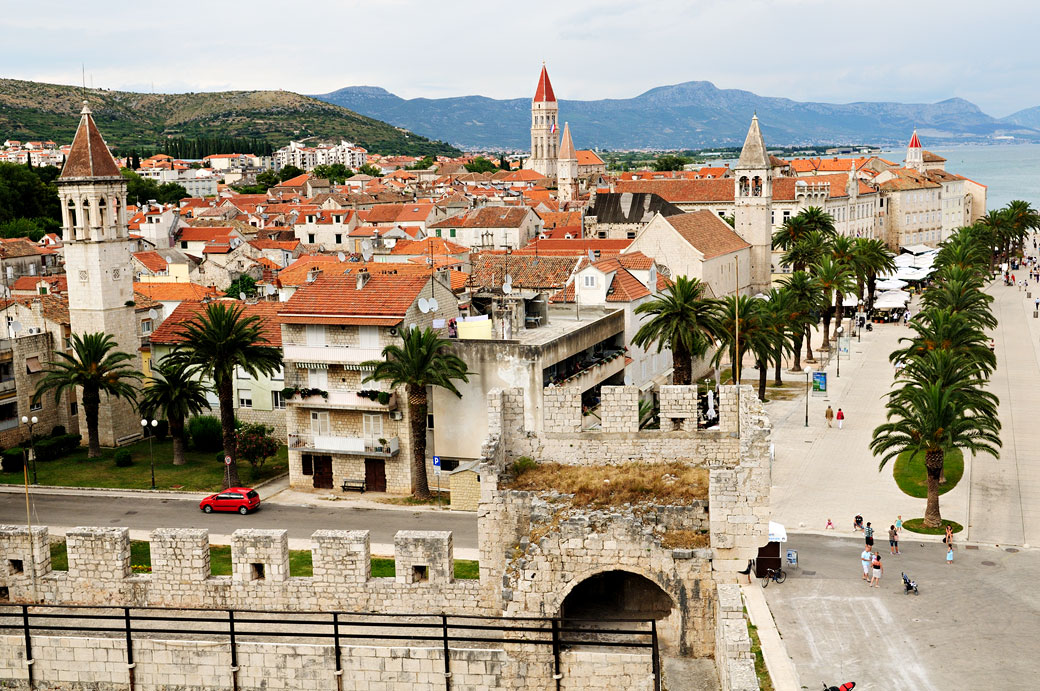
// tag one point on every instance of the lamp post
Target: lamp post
(808, 373)
(841, 330)
(32, 442)
(151, 456)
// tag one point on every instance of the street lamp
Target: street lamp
(808, 372)
(841, 330)
(151, 456)
(32, 442)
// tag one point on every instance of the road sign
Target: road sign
(227, 460)
(436, 461)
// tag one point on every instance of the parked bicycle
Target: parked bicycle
(777, 575)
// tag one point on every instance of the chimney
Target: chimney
(362, 278)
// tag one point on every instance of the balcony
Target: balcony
(342, 400)
(595, 371)
(6, 384)
(330, 354)
(354, 446)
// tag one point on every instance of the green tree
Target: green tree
(807, 251)
(744, 328)
(793, 231)
(819, 220)
(370, 170)
(289, 172)
(670, 162)
(335, 173)
(267, 179)
(243, 284)
(96, 367)
(423, 360)
(23, 228)
(27, 193)
(256, 445)
(943, 329)
(218, 341)
(835, 280)
(871, 258)
(171, 193)
(783, 317)
(176, 393)
(481, 165)
(140, 190)
(682, 319)
(808, 296)
(960, 291)
(423, 163)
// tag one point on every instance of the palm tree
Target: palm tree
(218, 341)
(960, 291)
(684, 320)
(997, 223)
(941, 329)
(938, 406)
(807, 251)
(176, 393)
(964, 250)
(744, 328)
(835, 280)
(819, 220)
(790, 234)
(1024, 219)
(806, 291)
(843, 251)
(96, 367)
(872, 258)
(783, 318)
(423, 360)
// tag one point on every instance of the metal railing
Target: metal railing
(235, 626)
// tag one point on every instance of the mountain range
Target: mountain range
(33, 110)
(690, 115)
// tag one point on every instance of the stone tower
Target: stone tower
(544, 111)
(753, 212)
(567, 168)
(97, 262)
(915, 153)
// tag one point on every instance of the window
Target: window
(372, 424)
(438, 232)
(35, 406)
(32, 365)
(320, 422)
(429, 420)
(589, 281)
(245, 398)
(74, 409)
(310, 238)
(451, 233)
(146, 326)
(339, 238)
(184, 244)
(277, 402)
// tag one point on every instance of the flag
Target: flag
(553, 129)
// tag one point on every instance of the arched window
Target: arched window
(744, 186)
(756, 187)
(73, 220)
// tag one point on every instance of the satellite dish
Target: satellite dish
(366, 254)
(16, 326)
(152, 314)
(507, 288)
(424, 305)
(507, 279)
(366, 244)
(270, 289)
(241, 295)
(168, 260)
(592, 256)
(432, 302)
(342, 257)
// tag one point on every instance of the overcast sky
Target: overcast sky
(821, 50)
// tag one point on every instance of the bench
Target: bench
(354, 484)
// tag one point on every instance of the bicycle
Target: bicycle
(778, 575)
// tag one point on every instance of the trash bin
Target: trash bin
(792, 557)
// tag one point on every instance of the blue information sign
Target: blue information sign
(819, 382)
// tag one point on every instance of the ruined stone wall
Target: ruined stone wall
(733, 657)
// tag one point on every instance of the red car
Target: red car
(241, 499)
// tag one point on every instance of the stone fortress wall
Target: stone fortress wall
(534, 550)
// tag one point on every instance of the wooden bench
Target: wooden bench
(354, 484)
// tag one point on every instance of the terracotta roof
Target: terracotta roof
(907, 179)
(337, 296)
(204, 233)
(89, 156)
(552, 219)
(544, 92)
(298, 181)
(267, 244)
(707, 233)
(171, 290)
(168, 332)
(486, 217)
(397, 213)
(57, 284)
(11, 248)
(526, 271)
(431, 245)
(55, 308)
(587, 157)
(567, 144)
(929, 157)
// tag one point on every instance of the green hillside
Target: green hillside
(36, 111)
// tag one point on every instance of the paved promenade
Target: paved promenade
(822, 473)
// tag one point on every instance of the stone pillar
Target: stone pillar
(728, 397)
(619, 408)
(180, 555)
(341, 556)
(561, 409)
(424, 556)
(99, 555)
(259, 555)
(16, 569)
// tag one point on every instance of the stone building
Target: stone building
(544, 113)
(92, 193)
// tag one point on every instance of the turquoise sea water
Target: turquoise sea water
(1009, 172)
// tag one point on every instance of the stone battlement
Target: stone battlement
(100, 571)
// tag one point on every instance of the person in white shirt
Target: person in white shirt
(866, 557)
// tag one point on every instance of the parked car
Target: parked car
(241, 499)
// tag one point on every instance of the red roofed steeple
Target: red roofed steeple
(544, 91)
(89, 156)
(915, 143)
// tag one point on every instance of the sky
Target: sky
(819, 50)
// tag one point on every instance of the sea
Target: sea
(1010, 171)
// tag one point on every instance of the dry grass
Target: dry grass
(684, 539)
(631, 483)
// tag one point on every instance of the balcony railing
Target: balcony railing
(344, 400)
(355, 446)
(330, 354)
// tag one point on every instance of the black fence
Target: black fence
(333, 628)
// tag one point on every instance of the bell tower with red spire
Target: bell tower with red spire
(915, 153)
(544, 131)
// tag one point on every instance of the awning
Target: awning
(32, 364)
(890, 284)
(777, 532)
(917, 249)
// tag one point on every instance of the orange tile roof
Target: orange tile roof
(58, 284)
(153, 261)
(587, 157)
(337, 296)
(298, 181)
(89, 155)
(204, 233)
(706, 232)
(552, 219)
(171, 291)
(486, 217)
(527, 271)
(267, 244)
(397, 213)
(169, 332)
(55, 308)
(431, 245)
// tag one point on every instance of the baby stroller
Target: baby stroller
(909, 586)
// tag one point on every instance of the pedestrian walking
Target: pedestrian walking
(949, 555)
(865, 559)
(840, 417)
(868, 535)
(948, 539)
(829, 526)
(878, 569)
(829, 414)
(893, 540)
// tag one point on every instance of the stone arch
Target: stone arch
(744, 186)
(756, 186)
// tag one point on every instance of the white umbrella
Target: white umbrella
(890, 284)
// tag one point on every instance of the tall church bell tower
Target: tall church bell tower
(97, 244)
(753, 212)
(544, 137)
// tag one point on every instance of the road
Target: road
(67, 511)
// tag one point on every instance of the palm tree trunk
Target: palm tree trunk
(797, 366)
(762, 370)
(933, 463)
(91, 402)
(826, 345)
(777, 381)
(839, 308)
(682, 368)
(871, 289)
(225, 394)
(808, 343)
(177, 432)
(417, 423)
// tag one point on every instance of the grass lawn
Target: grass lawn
(916, 525)
(201, 470)
(300, 563)
(911, 477)
(765, 683)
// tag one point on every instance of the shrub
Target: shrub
(161, 430)
(256, 445)
(384, 397)
(47, 449)
(12, 459)
(205, 433)
(123, 459)
(522, 465)
(58, 431)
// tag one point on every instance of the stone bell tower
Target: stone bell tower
(544, 111)
(92, 193)
(567, 168)
(753, 208)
